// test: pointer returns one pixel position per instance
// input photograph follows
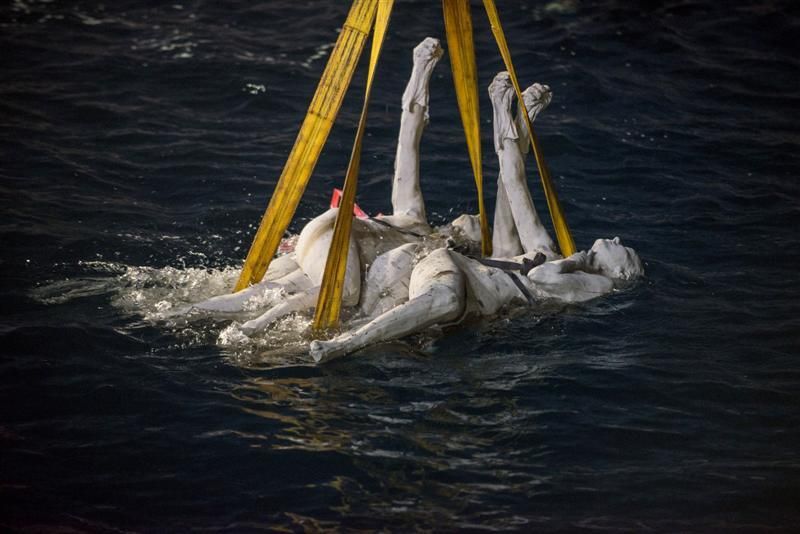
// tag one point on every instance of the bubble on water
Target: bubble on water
(157, 293)
(255, 88)
(319, 52)
(166, 298)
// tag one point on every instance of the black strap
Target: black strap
(521, 287)
(507, 266)
(524, 268)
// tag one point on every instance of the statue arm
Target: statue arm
(567, 279)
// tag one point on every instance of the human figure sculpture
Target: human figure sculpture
(388, 258)
(387, 280)
(382, 248)
(402, 280)
(517, 228)
(446, 286)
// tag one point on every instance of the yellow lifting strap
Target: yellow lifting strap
(310, 140)
(565, 241)
(329, 302)
(458, 26)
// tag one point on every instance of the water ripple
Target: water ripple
(139, 145)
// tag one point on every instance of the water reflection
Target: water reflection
(431, 440)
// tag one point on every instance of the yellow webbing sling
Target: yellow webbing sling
(565, 241)
(458, 26)
(310, 140)
(329, 302)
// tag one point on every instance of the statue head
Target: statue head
(611, 258)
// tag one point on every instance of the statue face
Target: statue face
(611, 258)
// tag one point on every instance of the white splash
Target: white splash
(255, 88)
(163, 298)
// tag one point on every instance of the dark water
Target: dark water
(139, 145)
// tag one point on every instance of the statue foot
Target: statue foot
(325, 351)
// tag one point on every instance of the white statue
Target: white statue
(446, 286)
(375, 244)
(405, 281)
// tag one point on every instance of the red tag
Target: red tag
(336, 199)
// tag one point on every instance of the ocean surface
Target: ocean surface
(139, 144)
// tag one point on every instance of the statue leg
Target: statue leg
(284, 273)
(304, 300)
(532, 234)
(388, 279)
(505, 239)
(408, 204)
(508, 139)
(437, 294)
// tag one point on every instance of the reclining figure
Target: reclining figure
(406, 280)
(446, 286)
